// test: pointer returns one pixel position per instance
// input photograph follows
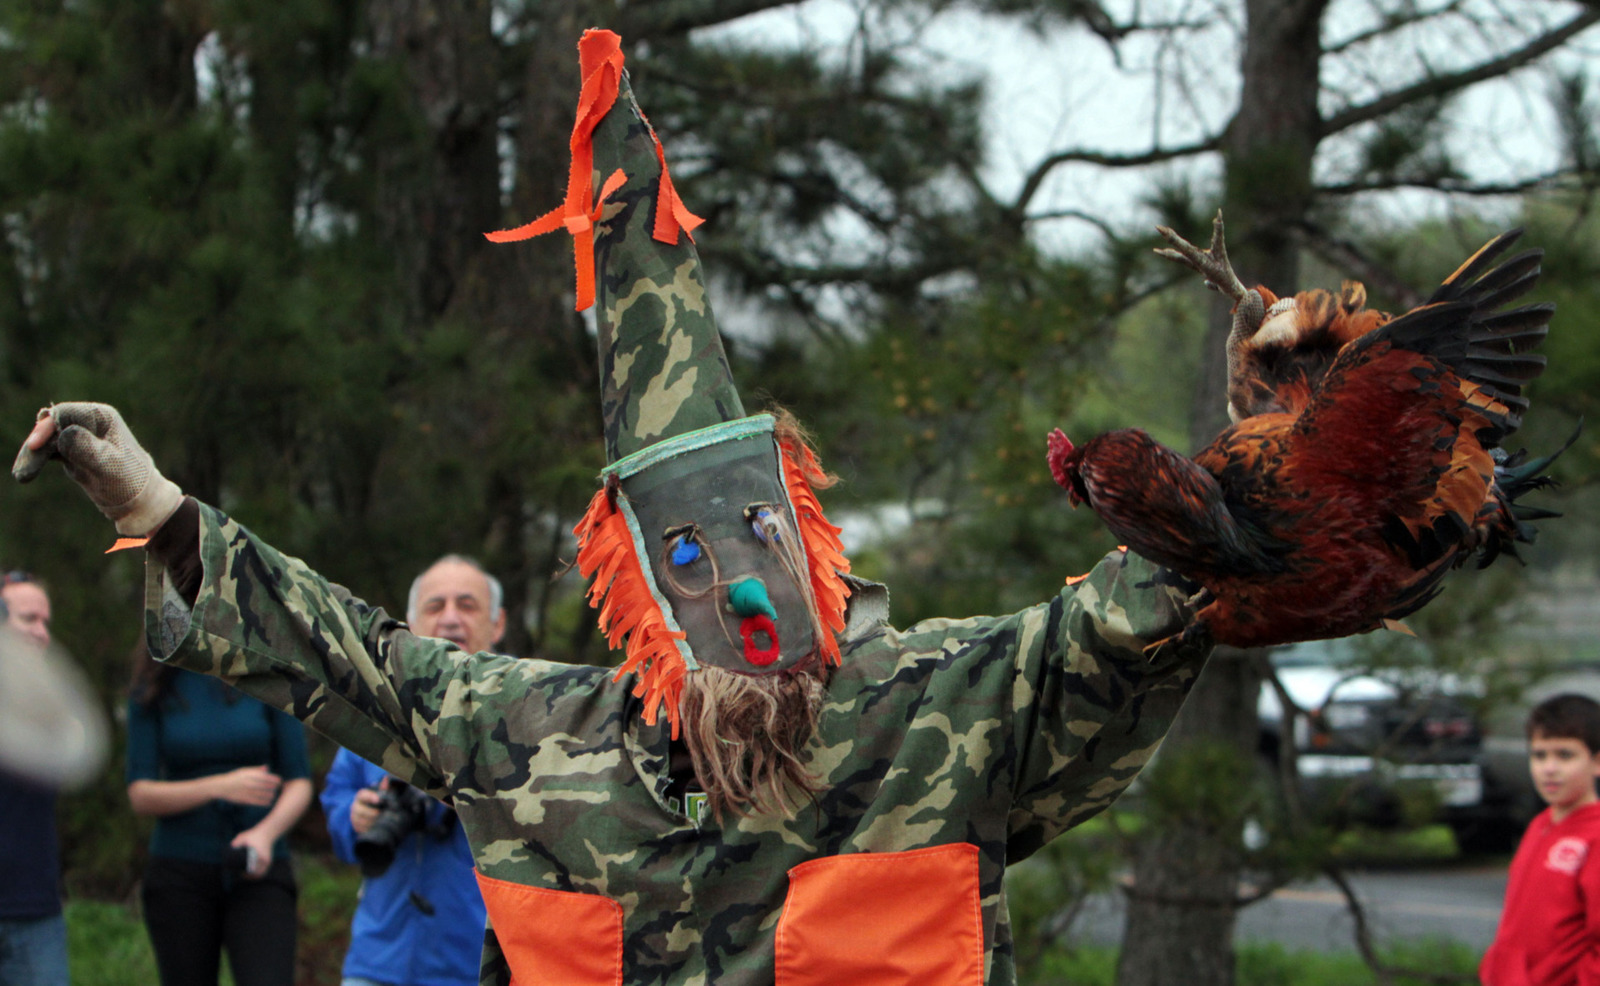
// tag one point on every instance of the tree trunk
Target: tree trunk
(1268, 189)
(1181, 907)
(1185, 876)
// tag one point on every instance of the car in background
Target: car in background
(1377, 747)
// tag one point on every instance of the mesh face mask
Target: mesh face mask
(709, 549)
(726, 554)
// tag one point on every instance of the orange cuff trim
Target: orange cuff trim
(123, 544)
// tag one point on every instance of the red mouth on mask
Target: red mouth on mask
(749, 628)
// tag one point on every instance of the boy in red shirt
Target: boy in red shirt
(1549, 932)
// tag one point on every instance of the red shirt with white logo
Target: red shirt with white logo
(1549, 932)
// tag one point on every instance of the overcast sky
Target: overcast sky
(1065, 91)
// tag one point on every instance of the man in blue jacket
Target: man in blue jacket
(420, 920)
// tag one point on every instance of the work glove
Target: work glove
(107, 461)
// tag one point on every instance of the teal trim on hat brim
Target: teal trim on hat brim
(690, 441)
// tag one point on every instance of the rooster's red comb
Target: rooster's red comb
(1061, 448)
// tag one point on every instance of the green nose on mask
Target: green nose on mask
(749, 597)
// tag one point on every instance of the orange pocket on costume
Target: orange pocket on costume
(555, 937)
(883, 918)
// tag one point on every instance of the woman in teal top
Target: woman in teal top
(226, 778)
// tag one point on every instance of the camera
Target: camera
(402, 809)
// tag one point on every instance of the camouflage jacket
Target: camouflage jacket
(949, 750)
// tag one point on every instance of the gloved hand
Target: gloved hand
(106, 460)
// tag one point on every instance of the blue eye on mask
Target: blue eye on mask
(686, 551)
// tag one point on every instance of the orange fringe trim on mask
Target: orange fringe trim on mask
(600, 63)
(823, 547)
(629, 608)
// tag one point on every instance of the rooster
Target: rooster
(1364, 463)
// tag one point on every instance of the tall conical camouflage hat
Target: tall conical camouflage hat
(705, 542)
(663, 371)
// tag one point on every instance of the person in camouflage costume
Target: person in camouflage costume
(921, 762)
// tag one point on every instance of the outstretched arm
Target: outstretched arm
(1050, 712)
(1089, 707)
(222, 602)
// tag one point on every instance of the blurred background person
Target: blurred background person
(226, 778)
(27, 606)
(420, 918)
(52, 737)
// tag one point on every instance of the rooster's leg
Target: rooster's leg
(1211, 263)
(1195, 627)
(1179, 640)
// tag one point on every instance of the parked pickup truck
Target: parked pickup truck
(1380, 748)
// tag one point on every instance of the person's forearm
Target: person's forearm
(160, 798)
(283, 634)
(176, 545)
(292, 802)
(1092, 705)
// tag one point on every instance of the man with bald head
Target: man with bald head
(454, 599)
(420, 919)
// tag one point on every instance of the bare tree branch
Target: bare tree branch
(668, 18)
(768, 269)
(1447, 185)
(1391, 25)
(1369, 954)
(1090, 14)
(1095, 220)
(1442, 85)
(1159, 155)
(1435, 86)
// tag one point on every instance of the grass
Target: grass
(1416, 846)
(107, 945)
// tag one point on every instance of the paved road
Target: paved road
(1461, 903)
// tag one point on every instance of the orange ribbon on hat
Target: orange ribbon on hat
(671, 214)
(600, 63)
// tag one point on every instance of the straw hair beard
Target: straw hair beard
(745, 734)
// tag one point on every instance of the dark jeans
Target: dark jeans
(33, 952)
(195, 910)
